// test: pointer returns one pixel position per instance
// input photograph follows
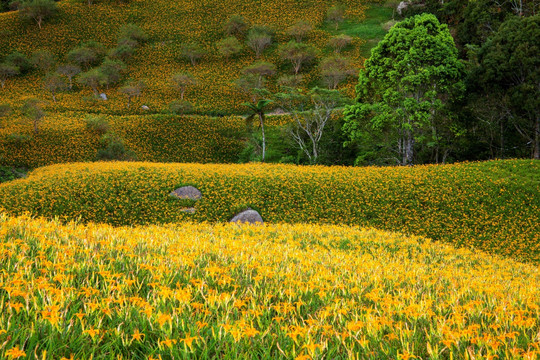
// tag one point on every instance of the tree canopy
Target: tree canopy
(405, 87)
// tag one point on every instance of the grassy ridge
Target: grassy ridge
(165, 138)
(200, 291)
(492, 205)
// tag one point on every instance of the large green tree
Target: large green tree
(405, 88)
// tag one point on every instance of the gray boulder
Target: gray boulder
(249, 216)
(187, 192)
(145, 108)
(103, 96)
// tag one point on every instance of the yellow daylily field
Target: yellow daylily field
(274, 291)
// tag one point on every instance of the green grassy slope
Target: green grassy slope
(493, 205)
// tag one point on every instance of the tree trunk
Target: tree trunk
(39, 20)
(315, 152)
(297, 68)
(409, 148)
(2, 82)
(36, 125)
(53, 96)
(261, 118)
(536, 154)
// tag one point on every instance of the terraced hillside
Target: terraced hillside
(493, 205)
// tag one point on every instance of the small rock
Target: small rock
(188, 210)
(103, 96)
(187, 192)
(145, 108)
(249, 216)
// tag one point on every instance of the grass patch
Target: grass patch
(373, 27)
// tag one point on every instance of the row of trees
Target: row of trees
(258, 38)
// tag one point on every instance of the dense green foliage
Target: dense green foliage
(509, 71)
(8, 174)
(492, 205)
(498, 41)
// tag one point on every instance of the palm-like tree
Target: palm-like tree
(258, 109)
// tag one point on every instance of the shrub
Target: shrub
(34, 109)
(69, 71)
(182, 81)
(258, 39)
(121, 52)
(53, 83)
(298, 54)
(18, 139)
(20, 61)
(229, 47)
(180, 107)
(131, 91)
(192, 52)
(300, 30)
(43, 60)
(235, 26)
(335, 70)
(336, 15)
(96, 124)
(38, 10)
(94, 79)
(7, 71)
(113, 148)
(134, 33)
(87, 55)
(112, 69)
(340, 42)
(261, 70)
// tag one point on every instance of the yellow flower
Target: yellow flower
(137, 335)
(188, 340)
(92, 332)
(168, 342)
(15, 353)
(250, 332)
(163, 318)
